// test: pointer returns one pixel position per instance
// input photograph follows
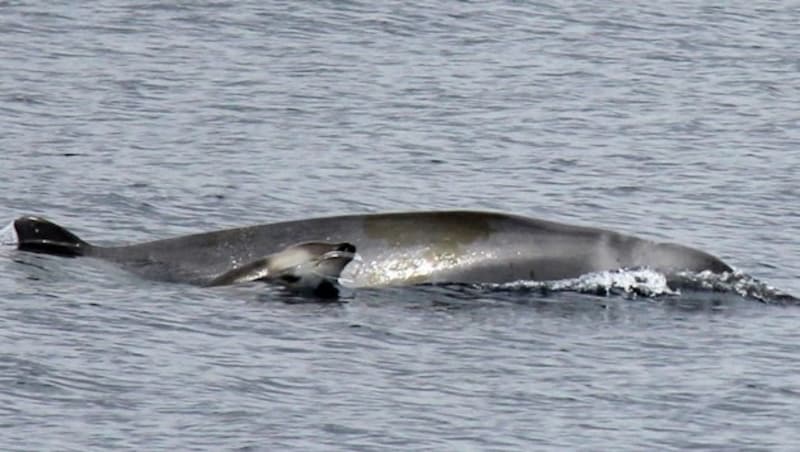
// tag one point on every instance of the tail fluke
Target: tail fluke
(38, 235)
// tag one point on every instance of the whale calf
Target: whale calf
(307, 268)
(394, 249)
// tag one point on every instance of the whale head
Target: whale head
(311, 267)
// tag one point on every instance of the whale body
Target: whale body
(394, 249)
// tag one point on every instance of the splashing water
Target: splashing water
(736, 282)
(636, 282)
(649, 283)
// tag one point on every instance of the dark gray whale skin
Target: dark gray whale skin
(395, 249)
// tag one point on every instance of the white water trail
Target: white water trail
(650, 283)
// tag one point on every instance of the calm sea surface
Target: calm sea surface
(129, 121)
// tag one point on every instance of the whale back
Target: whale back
(407, 248)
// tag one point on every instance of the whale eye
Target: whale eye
(289, 278)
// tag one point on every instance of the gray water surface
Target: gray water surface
(130, 121)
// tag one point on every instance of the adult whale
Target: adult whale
(403, 248)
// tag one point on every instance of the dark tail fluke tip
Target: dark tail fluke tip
(38, 235)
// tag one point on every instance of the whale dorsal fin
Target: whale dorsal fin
(38, 235)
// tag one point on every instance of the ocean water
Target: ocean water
(130, 121)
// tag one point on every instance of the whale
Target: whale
(393, 249)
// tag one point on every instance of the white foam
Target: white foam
(644, 282)
(638, 281)
(734, 282)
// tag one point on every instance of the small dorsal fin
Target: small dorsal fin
(38, 235)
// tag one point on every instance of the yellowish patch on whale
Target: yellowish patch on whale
(418, 267)
(424, 245)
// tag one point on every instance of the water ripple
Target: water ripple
(134, 121)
